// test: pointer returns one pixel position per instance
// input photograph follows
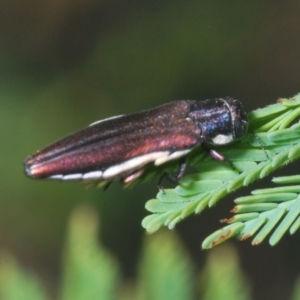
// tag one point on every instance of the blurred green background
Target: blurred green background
(65, 64)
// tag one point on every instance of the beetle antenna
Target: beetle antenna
(261, 144)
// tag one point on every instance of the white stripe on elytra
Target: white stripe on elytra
(174, 155)
(92, 175)
(58, 176)
(128, 166)
(133, 164)
(100, 121)
(72, 176)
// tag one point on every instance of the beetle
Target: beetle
(122, 146)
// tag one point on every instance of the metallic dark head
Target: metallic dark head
(221, 120)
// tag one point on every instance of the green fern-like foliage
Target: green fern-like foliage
(259, 213)
(279, 133)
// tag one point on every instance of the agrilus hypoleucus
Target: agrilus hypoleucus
(121, 147)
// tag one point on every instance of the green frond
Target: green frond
(278, 132)
(267, 210)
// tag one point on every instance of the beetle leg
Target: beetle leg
(133, 176)
(176, 177)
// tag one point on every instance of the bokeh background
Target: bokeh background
(65, 64)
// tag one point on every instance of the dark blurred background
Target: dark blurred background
(65, 64)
